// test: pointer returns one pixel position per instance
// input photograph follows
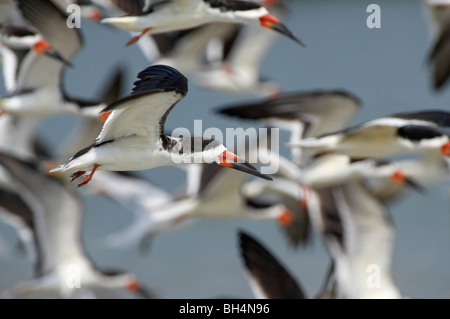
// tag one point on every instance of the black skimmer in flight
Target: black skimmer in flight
(133, 136)
(36, 95)
(383, 178)
(267, 276)
(19, 133)
(331, 170)
(292, 195)
(166, 16)
(303, 114)
(244, 49)
(210, 192)
(358, 232)
(139, 197)
(270, 279)
(19, 44)
(217, 195)
(58, 220)
(400, 133)
(427, 170)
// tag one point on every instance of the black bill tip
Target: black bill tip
(415, 185)
(281, 28)
(55, 55)
(247, 168)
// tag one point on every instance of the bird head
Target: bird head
(44, 48)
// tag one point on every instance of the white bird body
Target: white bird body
(63, 264)
(222, 198)
(380, 138)
(359, 235)
(368, 249)
(303, 114)
(333, 169)
(217, 196)
(426, 170)
(183, 14)
(167, 16)
(239, 70)
(135, 153)
(11, 63)
(37, 89)
(44, 102)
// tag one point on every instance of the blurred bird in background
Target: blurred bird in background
(336, 184)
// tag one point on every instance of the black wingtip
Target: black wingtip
(160, 78)
(245, 243)
(244, 237)
(270, 275)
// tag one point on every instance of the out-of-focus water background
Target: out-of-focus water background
(385, 67)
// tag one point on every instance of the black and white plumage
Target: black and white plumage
(57, 215)
(148, 203)
(421, 172)
(210, 192)
(238, 70)
(289, 192)
(358, 232)
(133, 136)
(39, 89)
(214, 192)
(19, 46)
(331, 170)
(304, 114)
(268, 277)
(166, 16)
(400, 133)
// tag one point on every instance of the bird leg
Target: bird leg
(89, 177)
(137, 37)
(76, 175)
